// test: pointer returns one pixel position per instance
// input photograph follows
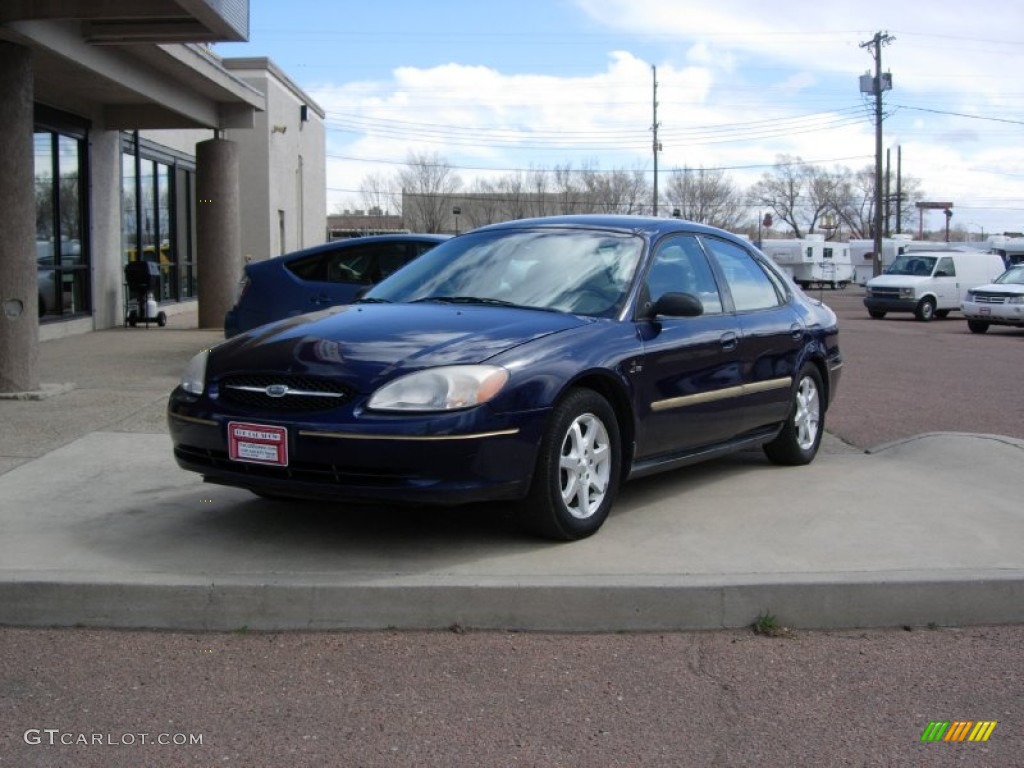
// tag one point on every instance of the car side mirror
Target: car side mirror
(677, 305)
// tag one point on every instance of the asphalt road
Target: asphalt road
(902, 377)
(502, 699)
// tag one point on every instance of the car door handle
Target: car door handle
(323, 298)
(729, 340)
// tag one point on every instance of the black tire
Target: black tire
(942, 314)
(133, 318)
(578, 470)
(977, 326)
(161, 319)
(876, 314)
(925, 311)
(798, 442)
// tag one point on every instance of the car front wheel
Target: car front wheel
(977, 326)
(578, 469)
(925, 311)
(800, 437)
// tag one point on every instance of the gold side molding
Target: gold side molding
(741, 390)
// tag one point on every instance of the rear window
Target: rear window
(363, 265)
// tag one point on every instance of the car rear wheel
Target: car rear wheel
(925, 309)
(977, 326)
(799, 439)
(578, 469)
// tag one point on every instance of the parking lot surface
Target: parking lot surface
(924, 530)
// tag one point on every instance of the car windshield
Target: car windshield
(1012, 276)
(584, 272)
(909, 264)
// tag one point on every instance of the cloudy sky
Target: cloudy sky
(498, 87)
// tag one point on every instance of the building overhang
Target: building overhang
(129, 83)
(141, 21)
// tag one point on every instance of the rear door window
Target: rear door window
(749, 284)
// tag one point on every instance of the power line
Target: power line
(960, 114)
(750, 167)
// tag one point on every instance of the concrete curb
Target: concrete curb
(829, 602)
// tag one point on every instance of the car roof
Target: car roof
(352, 242)
(651, 226)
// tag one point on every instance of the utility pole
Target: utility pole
(876, 85)
(899, 189)
(656, 145)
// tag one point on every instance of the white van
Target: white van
(930, 283)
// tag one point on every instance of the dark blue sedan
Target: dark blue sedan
(544, 361)
(319, 277)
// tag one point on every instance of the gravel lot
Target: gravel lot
(501, 699)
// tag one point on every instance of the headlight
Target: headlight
(970, 295)
(441, 389)
(193, 380)
(1015, 300)
(906, 293)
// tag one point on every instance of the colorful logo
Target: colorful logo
(959, 730)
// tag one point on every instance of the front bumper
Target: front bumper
(875, 304)
(996, 314)
(444, 459)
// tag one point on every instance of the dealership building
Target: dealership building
(127, 139)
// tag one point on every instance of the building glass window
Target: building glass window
(157, 215)
(62, 262)
(186, 236)
(129, 209)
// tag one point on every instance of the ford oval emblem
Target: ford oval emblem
(277, 390)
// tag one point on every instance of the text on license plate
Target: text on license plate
(258, 443)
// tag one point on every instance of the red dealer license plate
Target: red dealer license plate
(258, 443)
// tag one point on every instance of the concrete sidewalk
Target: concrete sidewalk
(99, 527)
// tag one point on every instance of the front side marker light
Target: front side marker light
(193, 379)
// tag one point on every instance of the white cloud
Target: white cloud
(738, 84)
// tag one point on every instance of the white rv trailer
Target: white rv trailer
(1010, 248)
(862, 251)
(811, 261)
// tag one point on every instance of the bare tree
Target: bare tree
(707, 196)
(428, 184)
(781, 190)
(539, 183)
(857, 210)
(485, 204)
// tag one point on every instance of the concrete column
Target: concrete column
(105, 211)
(218, 229)
(19, 296)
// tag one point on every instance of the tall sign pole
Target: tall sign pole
(876, 85)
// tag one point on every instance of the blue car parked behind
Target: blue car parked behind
(319, 277)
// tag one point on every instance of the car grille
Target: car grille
(885, 293)
(284, 392)
(989, 298)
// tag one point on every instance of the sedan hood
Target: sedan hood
(367, 344)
